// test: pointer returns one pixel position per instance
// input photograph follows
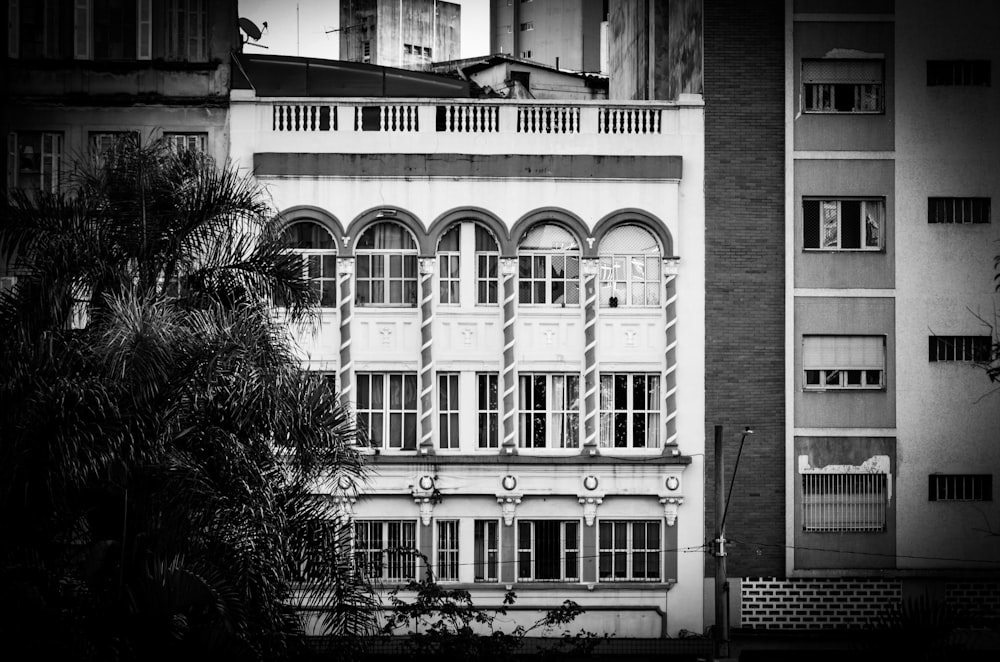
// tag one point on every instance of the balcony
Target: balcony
(400, 126)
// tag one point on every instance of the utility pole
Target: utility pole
(719, 551)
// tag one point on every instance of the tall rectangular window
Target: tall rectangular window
(629, 550)
(960, 487)
(34, 28)
(843, 362)
(386, 549)
(448, 409)
(187, 30)
(548, 550)
(959, 348)
(958, 210)
(447, 550)
(387, 408)
(488, 397)
(102, 141)
(115, 29)
(958, 72)
(843, 86)
(844, 501)
(487, 550)
(630, 411)
(843, 225)
(34, 160)
(450, 265)
(549, 411)
(487, 267)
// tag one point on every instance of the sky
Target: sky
(300, 27)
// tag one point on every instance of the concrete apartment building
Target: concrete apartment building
(408, 34)
(78, 75)
(566, 34)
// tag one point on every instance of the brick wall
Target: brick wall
(744, 198)
(815, 604)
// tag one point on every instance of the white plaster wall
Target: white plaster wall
(948, 414)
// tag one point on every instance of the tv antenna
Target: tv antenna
(252, 31)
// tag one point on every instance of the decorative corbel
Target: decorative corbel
(426, 496)
(508, 499)
(590, 505)
(670, 505)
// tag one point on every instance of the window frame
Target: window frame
(967, 210)
(823, 379)
(535, 271)
(975, 488)
(528, 557)
(488, 409)
(408, 279)
(530, 415)
(449, 410)
(609, 553)
(869, 507)
(48, 178)
(651, 414)
(449, 265)
(820, 97)
(820, 202)
(487, 285)
(367, 411)
(402, 557)
(486, 557)
(179, 17)
(959, 349)
(446, 546)
(181, 140)
(322, 282)
(617, 272)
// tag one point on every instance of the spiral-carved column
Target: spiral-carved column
(345, 378)
(508, 271)
(670, 362)
(591, 404)
(427, 267)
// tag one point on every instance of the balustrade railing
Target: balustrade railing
(629, 120)
(303, 117)
(454, 118)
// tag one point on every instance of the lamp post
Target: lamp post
(719, 543)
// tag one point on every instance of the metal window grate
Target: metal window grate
(958, 72)
(960, 487)
(958, 210)
(844, 501)
(959, 348)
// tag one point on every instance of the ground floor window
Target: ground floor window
(487, 550)
(548, 550)
(629, 550)
(447, 550)
(386, 549)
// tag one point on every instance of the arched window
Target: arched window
(487, 267)
(386, 266)
(472, 243)
(319, 258)
(450, 264)
(630, 268)
(548, 267)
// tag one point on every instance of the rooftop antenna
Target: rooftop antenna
(252, 31)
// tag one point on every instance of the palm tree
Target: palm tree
(159, 446)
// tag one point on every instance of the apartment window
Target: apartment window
(386, 266)
(366, 51)
(448, 409)
(408, 49)
(386, 549)
(103, 141)
(629, 551)
(630, 260)
(958, 210)
(34, 28)
(112, 29)
(315, 245)
(630, 411)
(187, 30)
(843, 86)
(34, 159)
(527, 26)
(548, 550)
(193, 142)
(428, 53)
(387, 408)
(960, 487)
(449, 265)
(958, 72)
(843, 225)
(486, 538)
(447, 550)
(549, 267)
(526, 55)
(488, 396)
(487, 267)
(959, 348)
(843, 362)
(549, 411)
(844, 501)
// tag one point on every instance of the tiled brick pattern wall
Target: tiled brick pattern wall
(976, 598)
(744, 273)
(814, 604)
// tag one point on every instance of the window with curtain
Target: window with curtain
(843, 86)
(630, 266)
(549, 411)
(386, 266)
(843, 225)
(387, 409)
(843, 362)
(34, 160)
(630, 411)
(314, 244)
(549, 267)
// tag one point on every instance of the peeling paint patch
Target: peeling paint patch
(877, 464)
(848, 53)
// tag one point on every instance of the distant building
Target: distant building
(560, 33)
(513, 78)
(408, 34)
